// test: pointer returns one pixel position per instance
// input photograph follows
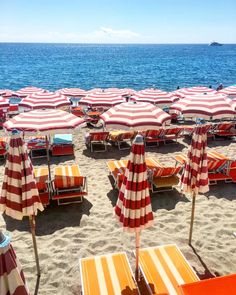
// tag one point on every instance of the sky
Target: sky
(118, 21)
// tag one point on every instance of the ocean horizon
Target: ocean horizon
(91, 65)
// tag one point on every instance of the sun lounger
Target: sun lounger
(172, 134)
(164, 269)
(62, 145)
(225, 285)
(94, 139)
(41, 176)
(69, 185)
(108, 274)
(153, 137)
(225, 129)
(37, 146)
(13, 110)
(122, 138)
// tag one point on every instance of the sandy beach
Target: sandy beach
(67, 233)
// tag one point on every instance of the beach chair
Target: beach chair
(96, 139)
(224, 285)
(226, 129)
(43, 185)
(62, 145)
(77, 111)
(164, 269)
(37, 146)
(3, 147)
(108, 274)
(153, 137)
(13, 110)
(124, 140)
(171, 134)
(69, 186)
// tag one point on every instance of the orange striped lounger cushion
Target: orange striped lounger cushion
(165, 269)
(41, 176)
(67, 177)
(107, 275)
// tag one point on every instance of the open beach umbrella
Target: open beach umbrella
(101, 99)
(72, 92)
(194, 179)
(207, 106)
(12, 280)
(135, 116)
(6, 93)
(19, 196)
(120, 91)
(155, 96)
(197, 90)
(44, 100)
(229, 91)
(44, 122)
(23, 92)
(133, 208)
(4, 102)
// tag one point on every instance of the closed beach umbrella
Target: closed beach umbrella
(12, 280)
(19, 196)
(136, 116)
(133, 208)
(23, 92)
(102, 99)
(207, 106)
(72, 92)
(155, 96)
(229, 91)
(197, 90)
(194, 179)
(44, 100)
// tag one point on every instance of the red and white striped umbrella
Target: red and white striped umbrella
(74, 92)
(4, 102)
(155, 96)
(207, 106)
(19, 196)
(101, 99)
(229, 91)
(6, 93)
(44, 100)
(44, 122)
(120, 91)
(12, 280)
(23, 92)
(133, 208)
(194, 179)
(198, 90)
(136, 116)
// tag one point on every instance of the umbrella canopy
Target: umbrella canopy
(229, 91)
(6, 93)
(207, 106)
(194, 179)
(101, 99)
(136, 116)
(47, 100)
(133, 208)
(198, 90)
(4, 103)
(120, 91)
(155, 96)
(44, 122)
(23, 92)
(74, 92)
(12, 280)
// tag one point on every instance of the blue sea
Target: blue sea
(54, 66)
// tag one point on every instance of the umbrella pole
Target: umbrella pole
(192, 219)
(32, 226)
(48, 159)
(137, 237)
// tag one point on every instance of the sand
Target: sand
(67, 233)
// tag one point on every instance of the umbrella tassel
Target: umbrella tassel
(137, 237)
(192, 219)
(32, 226)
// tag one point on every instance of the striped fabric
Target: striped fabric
(133, 208)
(44, 100)
(74, 92)
(23, 92)
(120, 91)
(12, 280)
(4, 102)
(155, 96)
(194, 179)
(207, 106)
(102, 99)
(164, 269)
(41, 177)
(19, 196)
(6, 93)
(183, 92)
(108, 274)
(44, 122)
(136, 116)
(67, 177)
(229, 91)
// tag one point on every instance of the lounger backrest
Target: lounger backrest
(98, 136)
(67, 177)
(154, 133)
(41, 176)
(172, 131)
(225, 126)
(126, 135)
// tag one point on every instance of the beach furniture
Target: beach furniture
(69, 185)
(188, 130)
(37, 146)
(3, 146)
(43, 185)
(225, 285)
(13, 110)
(225, 129)
(123, 139)
(164, 269)
(62, 145)
(108, 274)
(97, 139)
(153, 137)
(171, 134)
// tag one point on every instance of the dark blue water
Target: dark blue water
(54, 66)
